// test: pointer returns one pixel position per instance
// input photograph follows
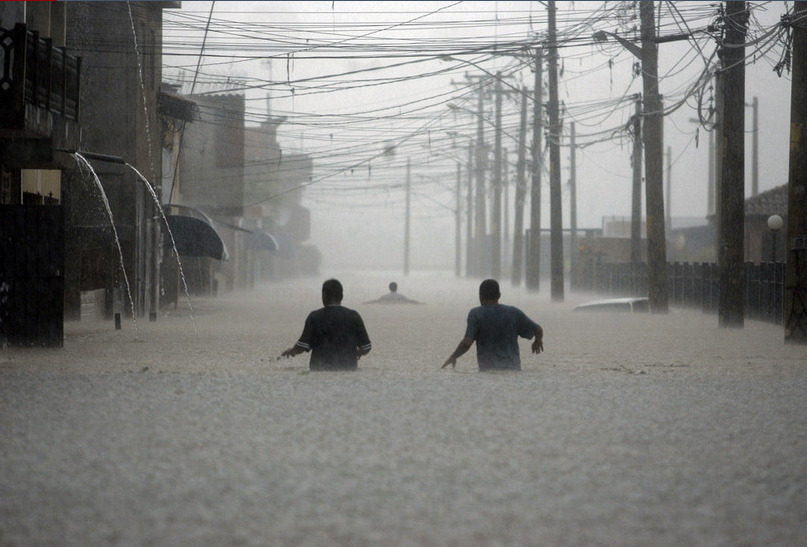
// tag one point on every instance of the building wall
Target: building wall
(212, 157)
(120, 44)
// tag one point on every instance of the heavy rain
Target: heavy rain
(212, 164)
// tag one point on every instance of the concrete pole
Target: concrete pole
(556, 211)
(469, 212)
(731, 248)
(755, 148)
(534, 259)
(458, 225)
(636, 194)
(408, 216)
(710, 189)
(668, 201)
(654, 165)
(496, 228)
(795, 311)
(481, 165)
(573, 198)
(521, 192)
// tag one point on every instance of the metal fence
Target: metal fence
(697, 285)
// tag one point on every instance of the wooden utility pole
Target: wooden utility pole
(496, 213)
(636, 194)
(481, 166)
(458, 225)
(556, 211)
(470, 259)
(573, 198)
(795, 320)
(755, 147)
(534, 259)
(710, 190)
(668, 200)
(506, 204)
(654, 168)
(521, 192)
(408, 217)
(731, 251)
(720, 141)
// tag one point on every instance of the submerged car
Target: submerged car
(627, 305)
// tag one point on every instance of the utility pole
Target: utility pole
(498, 165)
(731, 302)
(720, 116)
(755, 147)
(573, 198)
(710, 190)
(556, 211)
(506, 206)
(668, 201)
(521, 191)
(636, 194)
(408, 216)
(481, 166)
(795, 320)
(496, 221)
(458, 225)
(654, 168)
(470, 259)
(534, 259)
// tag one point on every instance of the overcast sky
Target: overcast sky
(356, 77)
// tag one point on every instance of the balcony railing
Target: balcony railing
(33, 72)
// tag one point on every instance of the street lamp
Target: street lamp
(775, 224)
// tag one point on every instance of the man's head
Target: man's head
(393, 287)
(331, 292)
(489, 291)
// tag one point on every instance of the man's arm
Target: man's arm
(292, 351)
(538, 343)
(464, 345)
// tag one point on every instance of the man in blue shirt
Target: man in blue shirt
(334, 335)
(495, 328)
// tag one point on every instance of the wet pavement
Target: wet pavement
(628, 430)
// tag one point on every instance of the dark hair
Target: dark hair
(489, 290)
(393, 287)
(332, 291)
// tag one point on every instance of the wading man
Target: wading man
(334, 335)
(495, 328)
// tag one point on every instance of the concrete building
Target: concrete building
(39, 115)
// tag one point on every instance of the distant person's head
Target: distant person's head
(489, 291)
(331, 292)
(393, 287)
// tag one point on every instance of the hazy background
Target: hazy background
(355, 78)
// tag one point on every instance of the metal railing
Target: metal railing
(695, 285)
(32, 71)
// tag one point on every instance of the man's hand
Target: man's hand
(291, 352)
(538, 345)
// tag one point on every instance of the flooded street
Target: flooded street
(628, 430)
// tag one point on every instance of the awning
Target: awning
(194, 237)
(260, 240)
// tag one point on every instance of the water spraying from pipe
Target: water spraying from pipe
(150, 188)
(82, 162)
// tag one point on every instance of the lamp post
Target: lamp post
(775, 223)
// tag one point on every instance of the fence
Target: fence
(32, 71)
(696, 285)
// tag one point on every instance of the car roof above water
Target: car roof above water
(627, 304)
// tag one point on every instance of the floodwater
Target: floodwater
(628, 430)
